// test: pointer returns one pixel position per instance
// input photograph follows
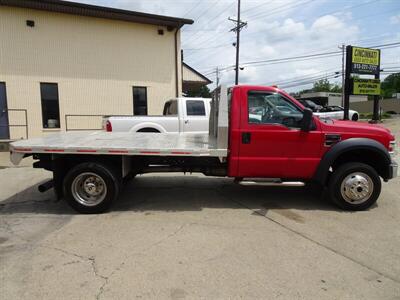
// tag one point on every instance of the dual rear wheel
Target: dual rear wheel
(91, 187)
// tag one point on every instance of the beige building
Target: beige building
(192, 79)
(60, 61)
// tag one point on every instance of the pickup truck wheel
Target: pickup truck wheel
(354, 186)
(90, 188)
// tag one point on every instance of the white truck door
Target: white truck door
(195, 116)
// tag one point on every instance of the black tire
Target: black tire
(340, 174)
(354, 117)
(111, 182)
(314, 189)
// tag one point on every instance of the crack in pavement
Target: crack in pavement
(93, 262)
(107, 278)
(318, 243)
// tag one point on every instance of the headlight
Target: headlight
(393, 149)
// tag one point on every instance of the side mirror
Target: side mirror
(306, 122)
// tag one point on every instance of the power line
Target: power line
(219, 13)
(257, 6)
(216, 36)
(278, 10)
(325, 14)
(206, 56)
(304, 77)
(304, 57)
(192, 8)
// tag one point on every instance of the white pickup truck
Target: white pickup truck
(179, 115)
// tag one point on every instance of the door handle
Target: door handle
(186, 121)
(246, 137)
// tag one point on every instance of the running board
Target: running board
(269, 182)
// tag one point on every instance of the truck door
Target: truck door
(195, 117)
(4, 128)
(272, 144)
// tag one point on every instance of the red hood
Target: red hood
(350, 129)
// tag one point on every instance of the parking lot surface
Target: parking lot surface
(175, 237)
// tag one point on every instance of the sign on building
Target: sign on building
(366, 86)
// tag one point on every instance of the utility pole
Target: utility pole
(343, 48)
(347, 83)
(236, 29)
(217, 75)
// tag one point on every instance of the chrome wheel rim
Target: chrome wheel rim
(357, 188)
(89, 189)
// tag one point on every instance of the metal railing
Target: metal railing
(18, 125)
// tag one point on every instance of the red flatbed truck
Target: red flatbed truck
(258, 136)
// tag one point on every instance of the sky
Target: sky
(278, 29)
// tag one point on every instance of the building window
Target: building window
(195, 108)
(50, 105)
(139, 101)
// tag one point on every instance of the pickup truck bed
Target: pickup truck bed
(120, 143)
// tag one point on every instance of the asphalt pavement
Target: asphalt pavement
(176, 237)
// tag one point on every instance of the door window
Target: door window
(195, 108)
(272, 108)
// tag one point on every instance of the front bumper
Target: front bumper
(393, 169)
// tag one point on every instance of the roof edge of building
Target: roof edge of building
(98, 11)
(197, 72)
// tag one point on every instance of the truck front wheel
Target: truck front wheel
(90, 188)
(354, 186)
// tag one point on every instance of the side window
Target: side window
(195, 108)
(50, 106)
(272, 108)
(171, 108)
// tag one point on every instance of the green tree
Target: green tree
(390, 85)
(322, 85)
(335, 88)
(202, 91)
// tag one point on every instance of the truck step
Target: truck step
(269, 182)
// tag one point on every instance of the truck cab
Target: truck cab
(269, 139)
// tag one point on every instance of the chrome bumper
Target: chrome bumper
(393, 169)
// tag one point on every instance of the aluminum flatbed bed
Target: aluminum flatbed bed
(120, 143)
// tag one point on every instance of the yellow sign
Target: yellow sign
(366, 86)
(365, 56)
